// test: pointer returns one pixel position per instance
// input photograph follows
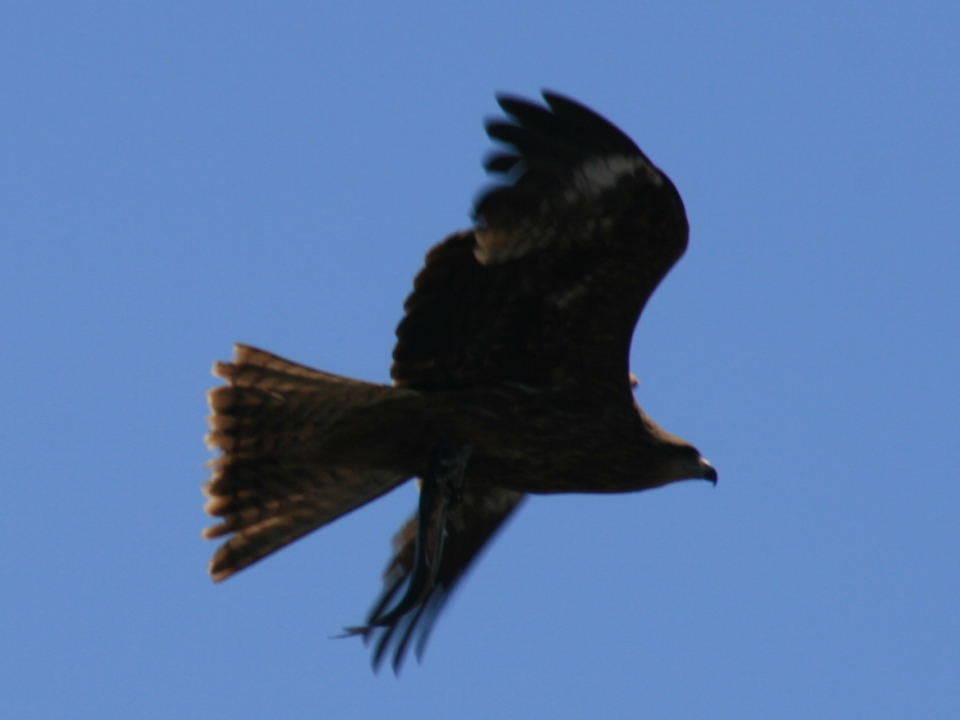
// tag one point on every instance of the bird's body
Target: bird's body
(511, 374)
(525, 439)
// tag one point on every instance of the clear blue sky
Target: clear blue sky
(177, 176)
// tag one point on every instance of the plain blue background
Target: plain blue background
(177, 176)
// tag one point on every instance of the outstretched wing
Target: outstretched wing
(469, 527)
(547, 289)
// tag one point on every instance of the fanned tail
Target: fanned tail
(268, 487)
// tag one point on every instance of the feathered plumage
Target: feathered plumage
(511, 375)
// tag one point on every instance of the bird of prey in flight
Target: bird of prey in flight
(510, 375)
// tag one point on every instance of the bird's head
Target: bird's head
(686, 463)
(672, 458)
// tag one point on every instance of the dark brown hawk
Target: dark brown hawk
(510, 375)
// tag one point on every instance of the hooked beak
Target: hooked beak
(708, 471)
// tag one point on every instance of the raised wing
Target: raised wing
(547, 289)
(470, 526)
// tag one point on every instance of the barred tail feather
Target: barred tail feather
(263, 487)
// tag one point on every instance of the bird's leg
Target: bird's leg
(441, 489)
